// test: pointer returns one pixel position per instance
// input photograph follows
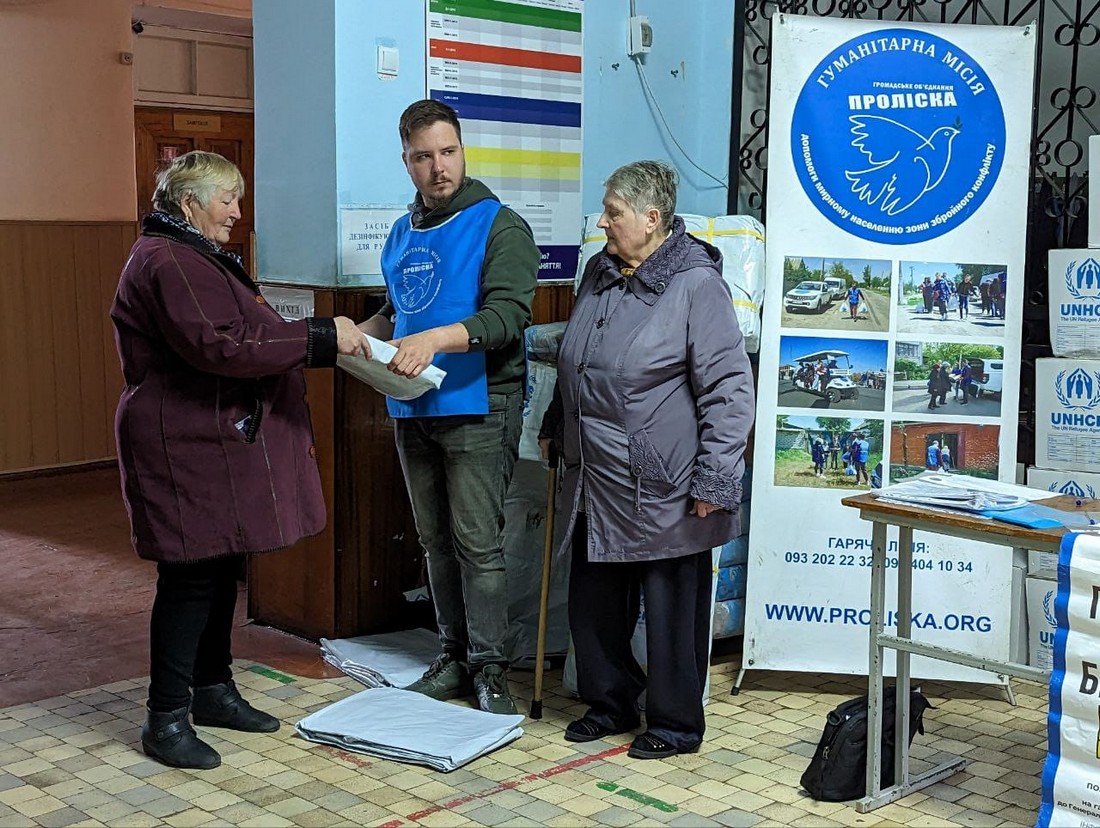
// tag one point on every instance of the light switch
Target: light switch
(388, 60)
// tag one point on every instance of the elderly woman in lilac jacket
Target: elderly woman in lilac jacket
(214, 442)
(656, 401)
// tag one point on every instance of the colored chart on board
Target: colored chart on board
(512, 71)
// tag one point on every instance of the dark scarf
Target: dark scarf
(166, 224)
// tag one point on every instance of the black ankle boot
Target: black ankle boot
(169, 738)
(221, 705)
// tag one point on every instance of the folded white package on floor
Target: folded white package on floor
(394, 659)
(410, 727)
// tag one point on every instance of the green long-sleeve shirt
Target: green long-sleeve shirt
(508, 277)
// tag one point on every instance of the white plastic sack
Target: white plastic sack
(741, 240)
(541, 379)
(524, 542)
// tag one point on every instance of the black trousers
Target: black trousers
(190, 629)
(603, 611)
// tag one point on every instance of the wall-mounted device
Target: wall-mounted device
(389, 60)
(640, 36)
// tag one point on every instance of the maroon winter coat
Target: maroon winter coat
(214, 438)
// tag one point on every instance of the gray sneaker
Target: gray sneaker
(491, 684)
(446, 679)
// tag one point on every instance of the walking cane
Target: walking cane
(544, 593)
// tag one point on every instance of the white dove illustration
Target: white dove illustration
(904, 164)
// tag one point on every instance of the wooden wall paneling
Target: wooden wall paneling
(114, 251)
(553, 303)
(295, 589)
(378, 551)
(90, 321)
(59, 369)
(15, 414)
(68, 411)
(41, 377)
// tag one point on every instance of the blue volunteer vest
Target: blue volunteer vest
(433, 276)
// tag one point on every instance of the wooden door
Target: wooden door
(164, 134)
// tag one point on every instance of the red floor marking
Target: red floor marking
(572, 764)
(350, 758)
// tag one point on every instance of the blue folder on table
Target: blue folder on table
(1035, 516)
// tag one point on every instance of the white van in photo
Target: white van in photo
(987, 376)
(838, 288)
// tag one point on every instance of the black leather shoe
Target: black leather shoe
(221, 705)
(169, 738)
(648, 746)
(585, 729)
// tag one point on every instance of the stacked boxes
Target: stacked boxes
(1067, 409)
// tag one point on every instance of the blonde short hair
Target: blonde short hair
(199, 173)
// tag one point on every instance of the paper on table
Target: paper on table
(959, 492)
(374, 372)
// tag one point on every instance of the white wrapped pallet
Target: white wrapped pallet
(1094, 191)
(741, 240)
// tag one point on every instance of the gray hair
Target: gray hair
(199, 173)
(646, 184)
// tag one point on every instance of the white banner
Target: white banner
(1071, 777)
(898, 174)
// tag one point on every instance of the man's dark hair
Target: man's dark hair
(423, 114)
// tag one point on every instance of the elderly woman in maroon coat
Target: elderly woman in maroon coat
(656, 397)
(214, 442)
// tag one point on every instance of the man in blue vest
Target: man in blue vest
(855, 297)
(460, 272)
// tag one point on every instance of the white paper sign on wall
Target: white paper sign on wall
(363, 234)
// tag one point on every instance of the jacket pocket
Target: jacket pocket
(646, 465)
(247, 424)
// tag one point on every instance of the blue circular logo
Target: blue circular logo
(898, 136)
(416, 281)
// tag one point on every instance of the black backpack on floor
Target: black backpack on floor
(838, 771)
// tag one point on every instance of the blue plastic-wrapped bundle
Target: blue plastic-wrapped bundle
(731, 582)
(735, 552)
(541, 342)
(729, 618)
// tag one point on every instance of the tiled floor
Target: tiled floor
(75, 760)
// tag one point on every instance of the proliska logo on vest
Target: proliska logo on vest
(418, 282)
(898, 136)
(1077, 392)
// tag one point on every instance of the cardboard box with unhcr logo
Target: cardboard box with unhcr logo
(1083, 485)
(1067, 414)
(1074, 301)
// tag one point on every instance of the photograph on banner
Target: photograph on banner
(819, 372)
(961, 376)
(972, 449)
(828, 452)
(836, 293)
(949, 299)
